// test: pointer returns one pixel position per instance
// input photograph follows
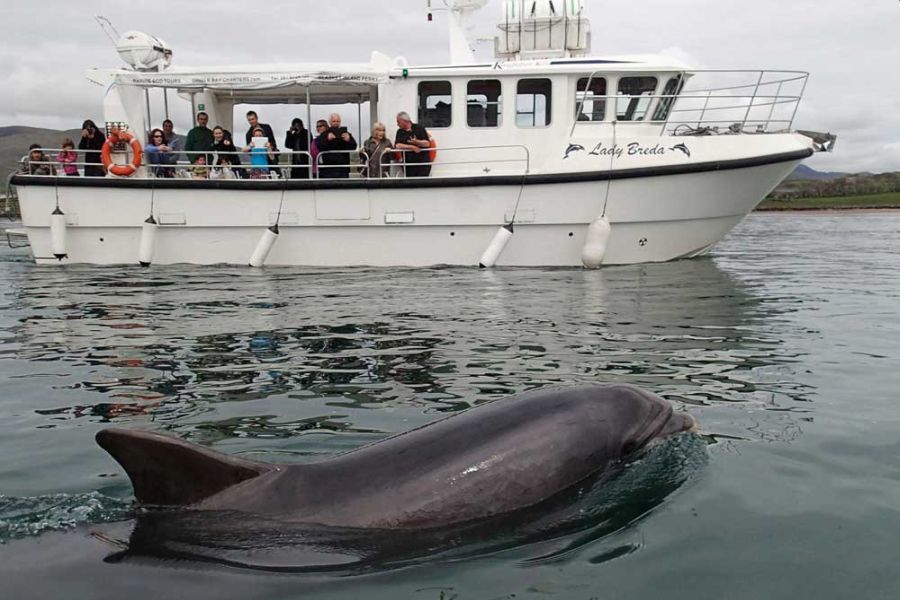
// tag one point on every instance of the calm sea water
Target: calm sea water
(784, 344)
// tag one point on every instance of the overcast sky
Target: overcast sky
(851, 49)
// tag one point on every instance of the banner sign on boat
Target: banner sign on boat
(248, 81)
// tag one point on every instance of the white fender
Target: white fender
(595, 242)
(496, 247)
(58, 234)
(148, 241)
(258, 258)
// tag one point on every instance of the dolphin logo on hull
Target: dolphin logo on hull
(683, 148)
(573, 148)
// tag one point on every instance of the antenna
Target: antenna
(108, 28)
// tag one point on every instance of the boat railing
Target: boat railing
(460, 161)
(747, 101)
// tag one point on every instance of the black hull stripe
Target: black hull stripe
(394, 183)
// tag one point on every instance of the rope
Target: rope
(612, 155)
(519, 197)
(281, 201)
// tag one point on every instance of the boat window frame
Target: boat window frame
(548, 108)
(420, 107)
(632, 98)
(667, 98)
(580, 101)
(498, 103)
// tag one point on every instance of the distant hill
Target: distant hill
(854, 184)
(14, 142)
(810, 174)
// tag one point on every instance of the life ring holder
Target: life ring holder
(116, 136)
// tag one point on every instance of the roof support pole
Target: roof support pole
(310, 127)
(149, 126)
(358, 119)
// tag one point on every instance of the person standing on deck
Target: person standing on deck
(253, 120)
(413, 138)
(261, 154)
(199, 139)
(337, 141)
(92, 139)
(321, 127)
(173, 140)
(37, 163)
(297, 140)
(224, 147)
(376, 147)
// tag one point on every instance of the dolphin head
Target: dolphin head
(640, 417)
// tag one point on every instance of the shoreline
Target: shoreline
(829, 209)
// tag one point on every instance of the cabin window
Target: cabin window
(533, 101)
(635, 96)
(591, 100)
(483, 103)
(434, 104)
(672, 89)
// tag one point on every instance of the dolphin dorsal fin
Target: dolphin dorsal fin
(169, 471)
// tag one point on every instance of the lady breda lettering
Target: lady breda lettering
(631, 149)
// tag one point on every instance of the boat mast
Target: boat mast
(460, 23)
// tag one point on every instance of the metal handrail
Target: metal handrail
(443, 162)
(751, 98)
(320, 165)
(281, 167)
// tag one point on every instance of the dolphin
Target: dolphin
(485, 462)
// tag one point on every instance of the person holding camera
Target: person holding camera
(297, 140)
(334, 145)
(92, 139)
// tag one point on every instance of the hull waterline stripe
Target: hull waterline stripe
(394, 183)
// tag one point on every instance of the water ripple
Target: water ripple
(29, 516)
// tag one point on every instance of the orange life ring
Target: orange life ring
(115, 136)
(432, 154)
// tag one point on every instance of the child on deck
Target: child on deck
(222, 170)
(260, 152)
(68, 157)
(200, 170)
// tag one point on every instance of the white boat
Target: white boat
(545, 156)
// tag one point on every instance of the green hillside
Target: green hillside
(14, 142)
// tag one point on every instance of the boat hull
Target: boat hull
(655, 216)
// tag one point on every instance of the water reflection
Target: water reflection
(178, 344)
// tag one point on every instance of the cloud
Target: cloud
(849, 49)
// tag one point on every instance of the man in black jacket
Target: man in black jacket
(413, 139)
(253, 120)
(335, 165)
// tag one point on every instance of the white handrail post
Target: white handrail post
(753, 98)
(774, 103)
(797, 101)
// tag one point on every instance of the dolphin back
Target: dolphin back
(169, 471)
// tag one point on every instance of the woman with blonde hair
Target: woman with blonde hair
(375, 147)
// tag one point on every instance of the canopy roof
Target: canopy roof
(263, 83)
